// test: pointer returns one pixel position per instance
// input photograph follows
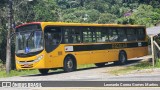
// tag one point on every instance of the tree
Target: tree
(145, 12)
(145, 15)
(126, 20)
(3, 29)
(107, 18)
(23, 11)
(46, 10)
(98, 5)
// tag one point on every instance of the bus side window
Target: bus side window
(68, 38)
(121, 35)
(113, 37)
(94, 35)
(141, 34)
(87, 35)
(85, 38)
(66, 32)
(106, 35)
(72, 35)
(52, 37)
(76, 35)
(131, 35)
(102, 35)
(99, 36)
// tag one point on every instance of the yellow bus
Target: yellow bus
(49, 45)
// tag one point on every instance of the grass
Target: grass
(17, 73)
(29, 72)
(86, 66)
(157, 63)
(118, 71)
(140, 66)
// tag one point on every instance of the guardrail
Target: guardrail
(155, 49)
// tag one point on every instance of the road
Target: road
(93, 74)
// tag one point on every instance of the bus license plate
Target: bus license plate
(26, 65)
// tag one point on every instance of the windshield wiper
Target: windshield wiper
(32, 33)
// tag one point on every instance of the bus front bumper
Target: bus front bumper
(36, 63)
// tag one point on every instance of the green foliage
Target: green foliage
(107, 18)
(126, 20)
(2, 2)
(71, 15)
(86, 66)
(90, 16)
(46, 10)
(128, 69)
(145, 12)
(145, 15)
(99, 5)
(157, 63)
(17, 73)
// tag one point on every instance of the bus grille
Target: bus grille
(27, 66)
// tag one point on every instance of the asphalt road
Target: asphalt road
(93, 74)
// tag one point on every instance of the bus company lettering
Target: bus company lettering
(119, 45)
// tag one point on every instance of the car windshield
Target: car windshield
(29, 41)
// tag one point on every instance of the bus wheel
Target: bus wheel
(100, 64)
(44, 71)
(122, 58)
(69, 64)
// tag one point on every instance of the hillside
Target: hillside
(143, 12)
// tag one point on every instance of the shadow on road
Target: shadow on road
(131, 62)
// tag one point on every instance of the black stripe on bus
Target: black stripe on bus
(77, 48)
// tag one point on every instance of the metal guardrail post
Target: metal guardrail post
(152, 48)
(157, 49)
(156, 45)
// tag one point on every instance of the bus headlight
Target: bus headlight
(38, 58)
(30, 61)
(18, 61)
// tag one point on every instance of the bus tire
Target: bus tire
(69, 64)
(100, 64)
(43, 71)
(122, 58)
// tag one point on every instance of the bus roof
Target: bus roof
(81, 24)
(24, 24)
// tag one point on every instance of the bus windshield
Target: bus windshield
(29, 41)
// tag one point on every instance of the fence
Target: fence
(155, 49)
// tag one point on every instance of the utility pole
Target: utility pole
(8, 49)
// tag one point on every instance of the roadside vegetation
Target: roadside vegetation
(122, 70)
(15, 72)
(86, 66)
(158, 63)
(142, 12)
(30, 72)
(130, 69)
